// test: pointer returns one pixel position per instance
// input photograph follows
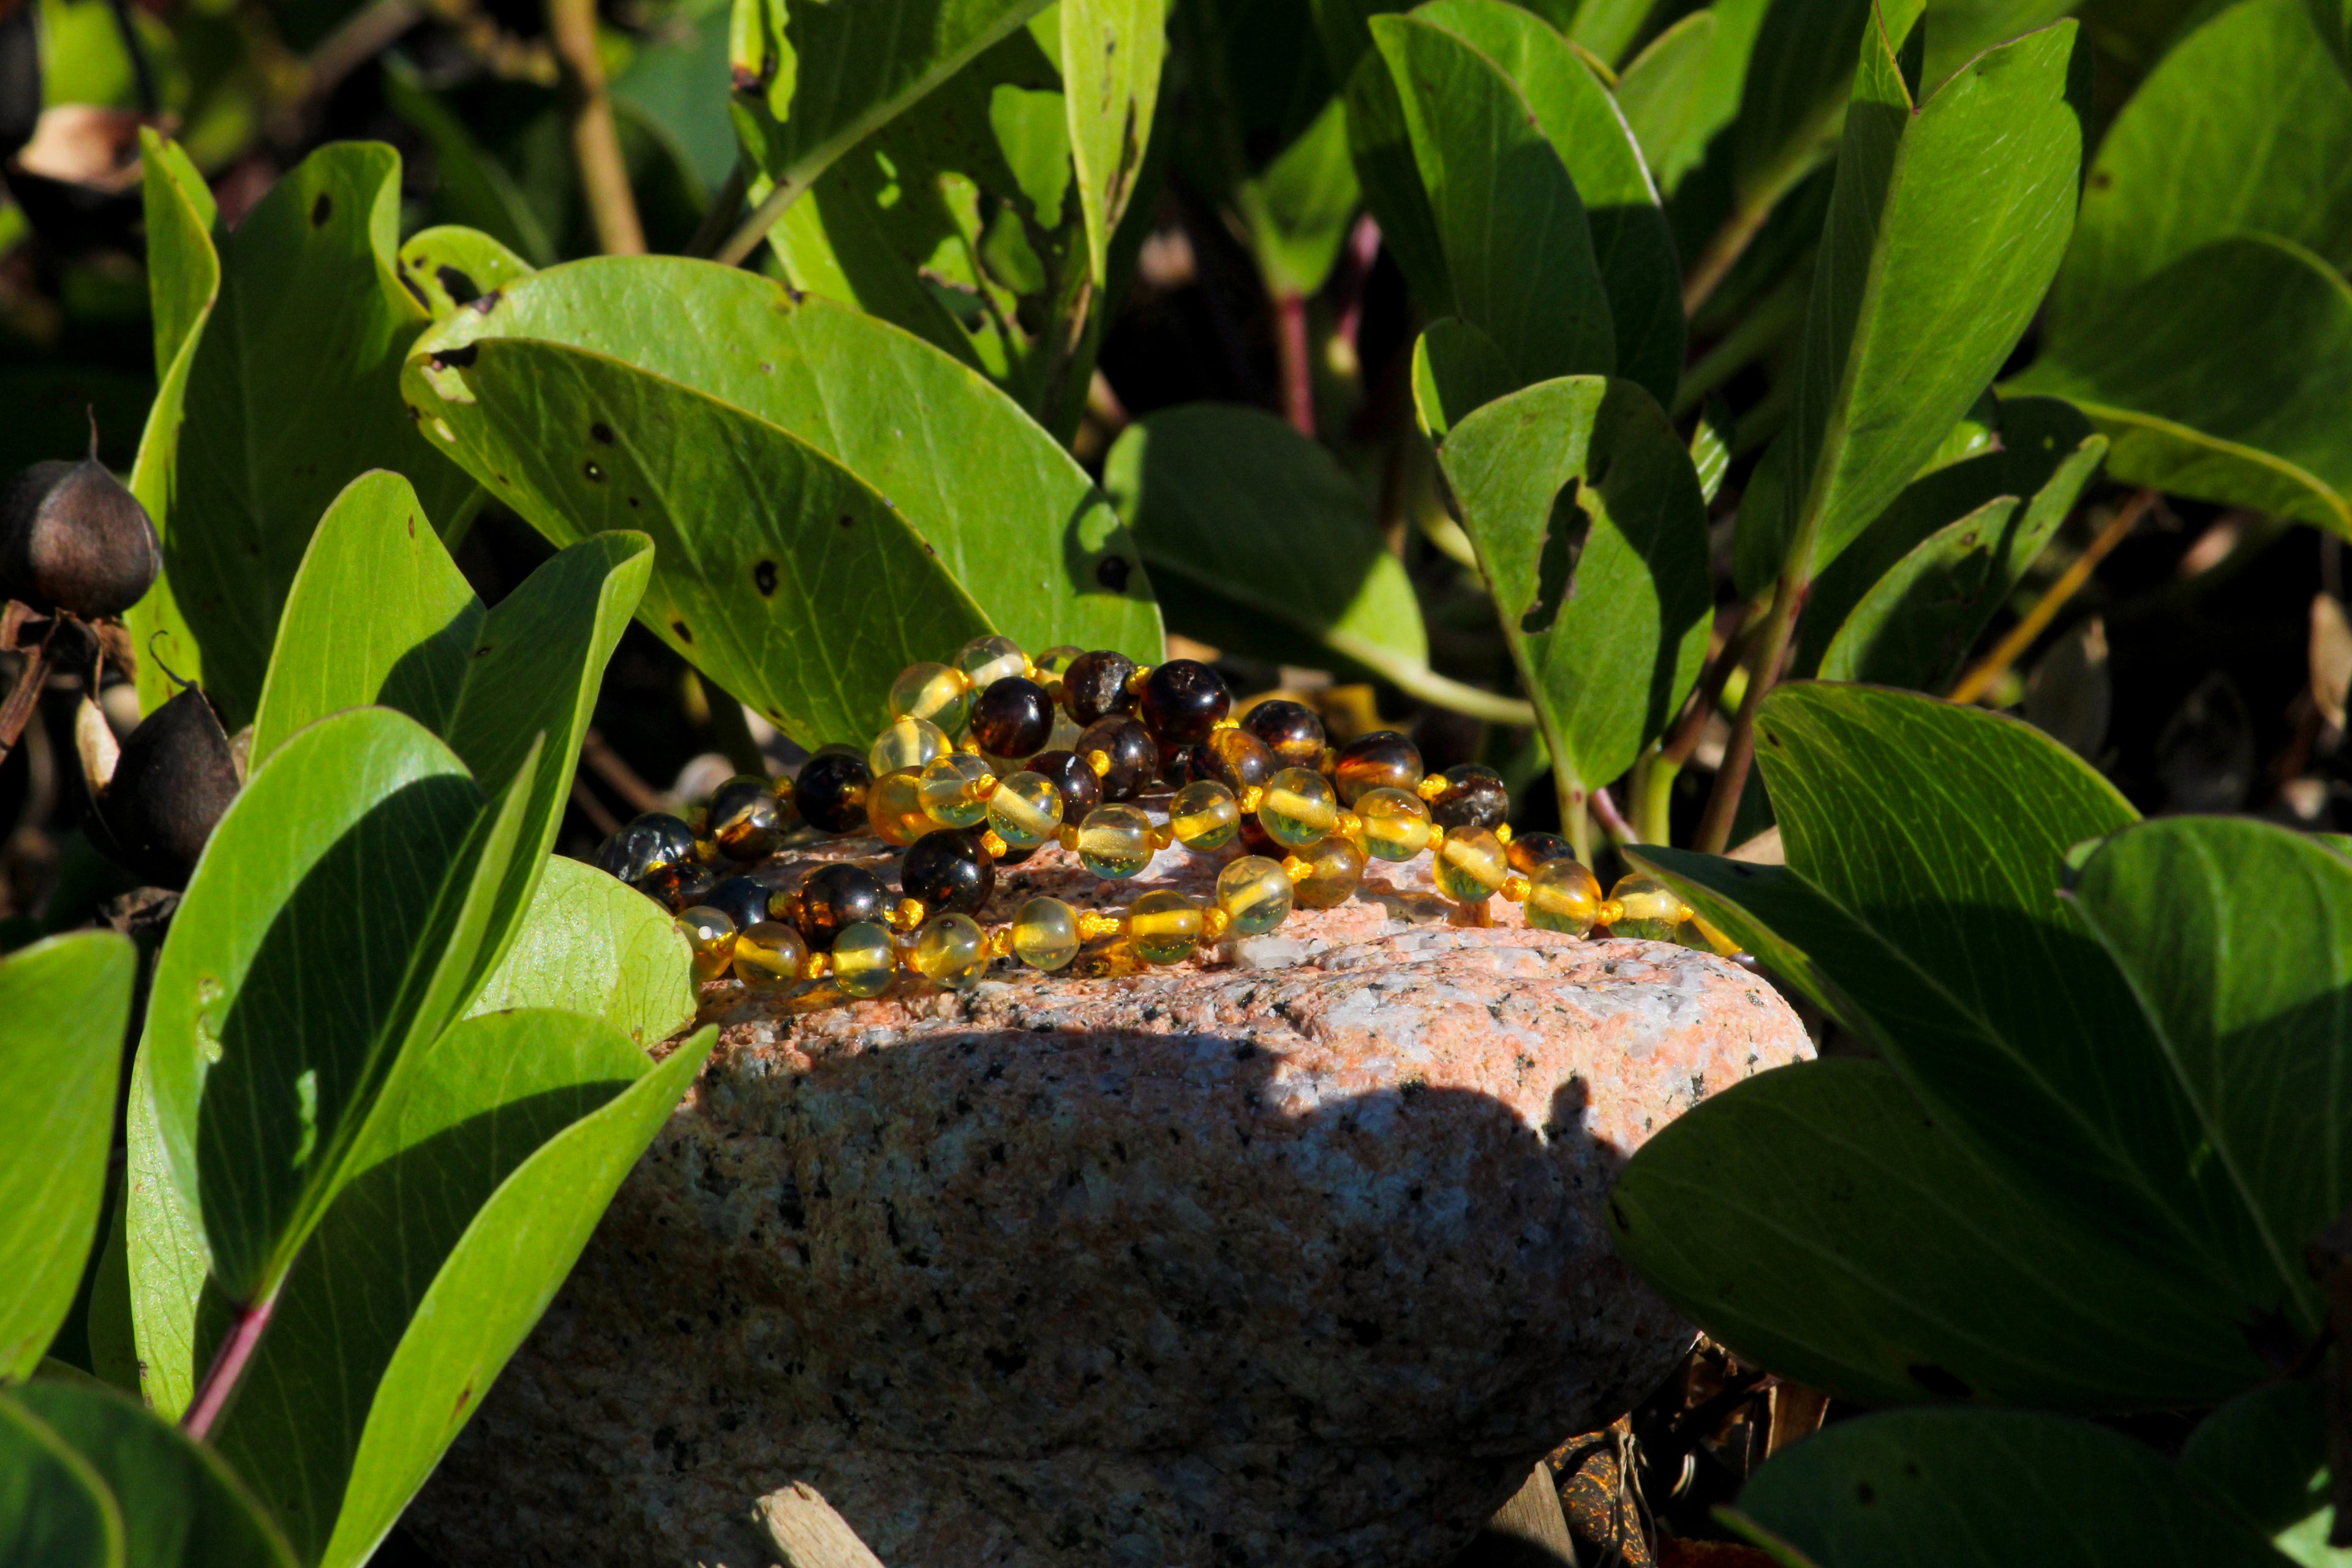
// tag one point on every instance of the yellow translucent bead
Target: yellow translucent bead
(951, 790)
(1045, 933)
(1300, 808)
(951, 952)
(1057, 659)
(894, 808)
(1255, 893)
(1653, 910)
(1395, 824)
(1204, 815)
(712, 934)
(1164, 927)
(1471, 866)
(931, 692)
(769, 955)
(987, 661)
(1025, 810)
(863, 959)
(1562, 895)
(1696, 932)
(1335, 867)
(1115, 841)
(907, 743)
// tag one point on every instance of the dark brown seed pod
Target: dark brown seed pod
(1474, 796)
(1183, 701)
(1134, 757)
(177, 775)
(1095, 686)
(1290, 731)
(747, 821)
(837, 896)
(72, 538)
(1081, 790)
(1012, 719)
(830, 792)
(1382, 760)
(646, 843)
(1529, 850)
(950, 871)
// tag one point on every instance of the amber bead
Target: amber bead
(1164, 927)
(830, 792)
(950, 789)
(1095, 686)
(1258, 841)
(1045, 933)
(894, 808)
(1529, 850)
(865, 959)
(1396, 823)
(1025, 810)
(1183, 701)
(907, 743)
(745, 899)
(932, 692)
(1175, 763)
(1563, 896)
(1256, 894)
(1235, 759)
(1381, 760)
(1654, 912)
(769, 955)
(1204, 815)
(987, 661)
(681, 885)
(747, 821)
(1067, 771)
(949, 870)
(1134, 757)
(712, 934)
(646, 844)
(1013, 718)
(1337, 869)
(837, 897)
(1471, 866)
(951, 952)
(1299, 808)
(1474, 796)
(1290, 731)
(1057, 659)
(1115, 841)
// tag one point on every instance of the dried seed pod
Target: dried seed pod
(72, 538)
(175, 776)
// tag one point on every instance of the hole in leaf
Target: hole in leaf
(322, 210)
(602, 432)
(1112, 573)
(595, 475)
(763, 575)
(460, 289)
(683, 634)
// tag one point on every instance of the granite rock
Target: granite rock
(1293, 1255)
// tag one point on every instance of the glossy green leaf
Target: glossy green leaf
(1299, 208)
(176, 1314)
(1379, 141)
(2263, 1455)
(1817, 1221)
(599, 947)
(1514, 248)
(1989, 1488)
(478, 1185)
(1111, 55)
(1606, 28)
(292, 391)
(1261, 542)
(2334, 20)
(55, 1510)
(182, 1506)
(470, 185)
(1687, 84)
(113, 1341)
(755, 439)
(1585, 511)
(448, 267)
(64, 1005)
(1795, 82)
(1631, 243)
(1456, 370)
(2236, 938)
(1945, 227)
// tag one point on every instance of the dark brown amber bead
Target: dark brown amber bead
(681, 885)
(1014, 718)
(838, 896)
(1473, 796)
(1014, 857)
(744, 898)
(1529, 850)
(1235, 759)
(1290, 731)
(1067, 771)
(1256, 840)
(1095, 686)
(1183, 701)
(644, 844)
(1382, 760)
(1176, 763)
(1134, 757)
(948, 870)
(830, 792)
(746, 820)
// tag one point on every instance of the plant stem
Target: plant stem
(718, 220)
(227, 1369)
(1654, 795)
(1297, 367)
(1725, 248)
(754, 229)
(1764, 667)
(1605, 806)
(595, 140)
(1438, 691)
(2011, 648)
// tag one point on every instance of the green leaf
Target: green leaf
(1261, 542)
(1687, 84)
(2263, 1455)
(1606, 28)
(1795, 80)
(176, 1315)
(292, 391)
(1456, 369)
(755, 439)
(54, 1508)
(182, 1507)
(1381, 143)
(1816, 1220)
(1299, 208)
(1945, 227)
(64, 1005)
(1111, 54)
(1631, 243)
(1989, 1488)
(1515, 254)
(599, 947)
(448, 267)
(481, 1185)
(2236, 939)
(1585, 511)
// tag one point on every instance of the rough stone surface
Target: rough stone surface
(1295, 1257)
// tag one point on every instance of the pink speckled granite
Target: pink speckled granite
(1300, 1264)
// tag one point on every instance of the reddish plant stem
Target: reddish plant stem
(1771, 648)
(227, 1369)
(1355, 272)
(1297, 371)
(1605, 806)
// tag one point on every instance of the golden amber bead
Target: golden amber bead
(1471, 866)
(769, 955)
(955, 789)
(1395, 824)
(1255, 893)
(1654, 912)
(951, 952)
(712, 934)
(907, 743)
(1697, 932)
(1045, 933)
(986, 660)
(863, 959)
(1164, 927)
(894, 808)
(1204, 815)
(1382, 760)
(1562, 895)
(1300, 807)
(931, 692)
(1337, 867)
(1115, 841)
